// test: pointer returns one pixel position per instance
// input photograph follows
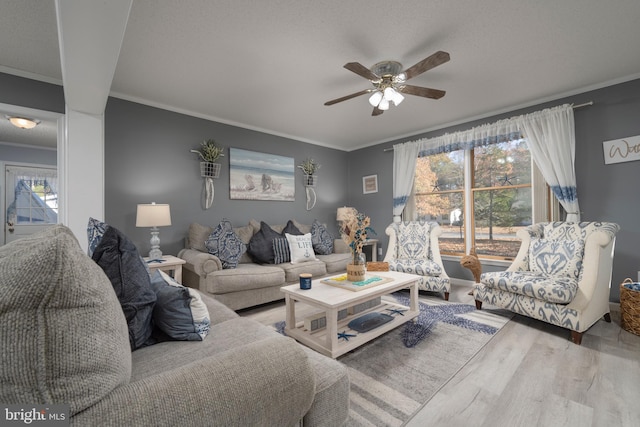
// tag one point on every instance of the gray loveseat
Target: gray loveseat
(250, 283)
(64, 340)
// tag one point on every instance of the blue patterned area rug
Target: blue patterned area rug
(395, 374)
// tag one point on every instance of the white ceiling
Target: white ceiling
(271, 65)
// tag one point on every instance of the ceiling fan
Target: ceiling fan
(388, 81)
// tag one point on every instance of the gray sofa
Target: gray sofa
(250, 284)
(64, 340)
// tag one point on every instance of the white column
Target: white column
(82, 172)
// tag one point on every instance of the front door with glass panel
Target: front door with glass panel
(31, 200)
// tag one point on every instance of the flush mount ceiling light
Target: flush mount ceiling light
(22, 122)
(389, 80)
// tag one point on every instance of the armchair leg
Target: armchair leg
(607, 317)
(478, 305)
(446, 296)
(576, 337)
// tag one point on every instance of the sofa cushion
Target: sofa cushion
(556, 289)
(321, 238)
(292, 271)
(63, 337)
(556, 257)
(422, 267)
(335, 263)
(198, 235)
(244, 277)
(245, 234)
(179, 312)
(224, 243)
(304, 228)
(95, 231)
(119, 259)
(301, 248)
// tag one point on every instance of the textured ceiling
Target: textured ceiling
(271, 65)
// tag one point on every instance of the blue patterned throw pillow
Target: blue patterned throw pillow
(321, 239)
(556, 257)
(95, 231)
(224, 243)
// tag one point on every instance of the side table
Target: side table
(374, 248)
(170, 264)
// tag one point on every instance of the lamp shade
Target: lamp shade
(343, 213)
(153, 215)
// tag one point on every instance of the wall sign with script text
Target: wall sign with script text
(621, 150)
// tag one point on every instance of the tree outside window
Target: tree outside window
(499, 179)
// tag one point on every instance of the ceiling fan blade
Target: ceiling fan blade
(344, 98)
(426, 64)
(422, 91)
(377, 111)
(361, 70)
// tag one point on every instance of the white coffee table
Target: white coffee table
(332, 299)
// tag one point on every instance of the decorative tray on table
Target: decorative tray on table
(369, 282)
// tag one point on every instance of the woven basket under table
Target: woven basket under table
(629, 308)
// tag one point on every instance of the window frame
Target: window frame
(544, 206)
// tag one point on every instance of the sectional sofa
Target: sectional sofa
(64, 339)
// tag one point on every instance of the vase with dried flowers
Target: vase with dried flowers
(354, 230)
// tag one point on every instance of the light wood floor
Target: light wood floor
(531, 374)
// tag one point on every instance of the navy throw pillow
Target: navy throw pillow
(121, 262)
(261, 244)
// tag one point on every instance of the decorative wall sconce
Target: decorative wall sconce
(209, 169)
(310, 167)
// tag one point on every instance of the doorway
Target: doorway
(30, 191)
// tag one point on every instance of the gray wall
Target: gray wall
(14, 153)
(147, 159)
(605, 192)
(31, 94)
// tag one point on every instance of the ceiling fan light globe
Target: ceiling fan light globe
(397, 99)
(384, 105)
(375, 99)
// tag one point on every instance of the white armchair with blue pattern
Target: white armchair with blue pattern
(561, 275)
(413, 248)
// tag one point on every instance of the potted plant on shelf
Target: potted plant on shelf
(309, 167)
(209, 153)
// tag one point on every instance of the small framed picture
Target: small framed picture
(369, 184)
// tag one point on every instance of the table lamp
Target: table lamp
(344, 212)
(153, 215)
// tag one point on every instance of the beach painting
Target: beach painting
(261, 176)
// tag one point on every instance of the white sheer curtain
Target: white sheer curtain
(404, 168)
(550, 134)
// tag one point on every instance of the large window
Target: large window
(480, 197)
